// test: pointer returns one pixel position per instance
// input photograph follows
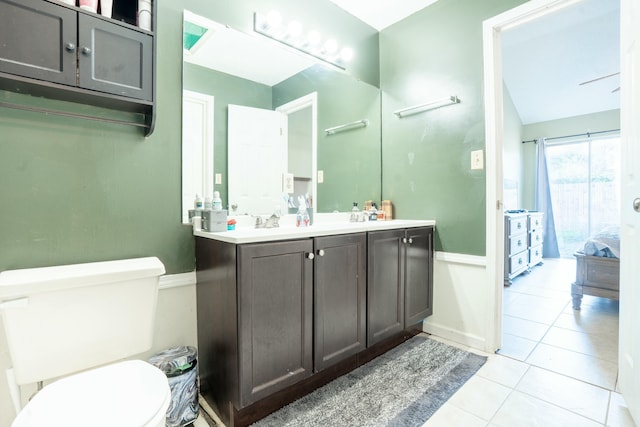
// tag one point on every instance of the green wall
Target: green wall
(79, 191)
(435, 53)
(76, 191)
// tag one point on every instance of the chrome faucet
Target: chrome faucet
(271, 222)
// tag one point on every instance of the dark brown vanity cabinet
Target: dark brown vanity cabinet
(275, 316)
(62, 52)
(400, 281)
(278, 319)
(339, 298)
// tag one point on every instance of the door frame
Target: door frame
(308, 101)
(494, 146)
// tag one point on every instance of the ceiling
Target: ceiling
(544, 60)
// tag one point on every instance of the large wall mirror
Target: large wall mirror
(284, 124)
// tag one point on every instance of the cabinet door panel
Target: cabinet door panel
(339, 298)
(33, 36)
(119, 60)
(419, 275)
(275, 317)
(385, 289)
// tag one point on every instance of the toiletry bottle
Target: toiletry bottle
(373, 213)
(217, 201)
(387, 207)
(197, 204)
(355, 213)
(207, 203)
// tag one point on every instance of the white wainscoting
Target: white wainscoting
(460, 296)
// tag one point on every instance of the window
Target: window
(584, 180)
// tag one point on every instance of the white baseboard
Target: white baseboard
(461, 258)
(170, 281)
(459, 337)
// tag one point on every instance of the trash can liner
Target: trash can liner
(179, 365)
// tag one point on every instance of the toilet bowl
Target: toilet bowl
(133, 393)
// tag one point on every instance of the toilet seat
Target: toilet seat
(125, 394)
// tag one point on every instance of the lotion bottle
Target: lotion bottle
(217, 201)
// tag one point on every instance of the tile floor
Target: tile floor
(557, 366)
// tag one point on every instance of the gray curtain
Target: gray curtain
(544, 204)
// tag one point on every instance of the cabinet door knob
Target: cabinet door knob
(70, 47)
(404, 240)
(310, 255)
(410, 240)
(86, 51)
(321, 252)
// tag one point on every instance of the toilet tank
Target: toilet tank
(64, 319)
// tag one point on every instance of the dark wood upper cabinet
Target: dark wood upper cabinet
(114, 59)
(39, 40)
(339, 298)
(56, 51)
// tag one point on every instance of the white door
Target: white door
(629, 356)
(197, 149)
(257, 159)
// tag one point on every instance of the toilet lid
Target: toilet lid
(125, 394)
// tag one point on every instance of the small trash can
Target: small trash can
(179, 365)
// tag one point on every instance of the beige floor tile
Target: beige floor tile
(480, 397)
(537, 313)
(523, 328)
(503, 370)
(522, 410)
(580, 366)
(568, 393)
(619, 415)
(451, 416)
(590, 323)
(597, 345)
(516, 347)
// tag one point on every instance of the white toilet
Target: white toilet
(68, 319)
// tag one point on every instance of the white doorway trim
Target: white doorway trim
(494, 126)
(308, 101)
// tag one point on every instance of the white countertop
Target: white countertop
(324, 225)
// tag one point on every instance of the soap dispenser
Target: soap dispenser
(355, 213)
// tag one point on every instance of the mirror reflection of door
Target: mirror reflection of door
(197, 149)
(257, 153)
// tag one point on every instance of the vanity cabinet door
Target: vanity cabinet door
(275, 315)
(418, 294)
(339, 298)
(38, 40)
(385, 289)
(114, 59)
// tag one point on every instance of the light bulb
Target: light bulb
(295, 29)
(274, 19)
(313, 38)
(346, 54)
(331, 46)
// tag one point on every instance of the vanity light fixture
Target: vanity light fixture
(427, 106)
(293, 35)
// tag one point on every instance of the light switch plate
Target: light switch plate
(320, 177)
(218, 178)
(287, 183)
(477, 160)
